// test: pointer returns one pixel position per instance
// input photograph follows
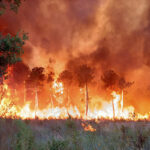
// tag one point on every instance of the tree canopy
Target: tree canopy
(85, 74)
(11, 46)
(11, 4)
(50, 77)
(10, 51)
(65, 77)
(113, 81)
(36, 77)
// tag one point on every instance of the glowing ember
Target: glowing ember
(88, 127)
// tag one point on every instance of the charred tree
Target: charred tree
(110, 79)
(86, 98)
(17, 78)
(122, 101)
(36, 102)
(50, 79)
(85, 75)
(113, 107)
(114, 82)
(123, 84)
(35, 81)
(66, 78)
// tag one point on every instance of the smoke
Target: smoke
(106, 34)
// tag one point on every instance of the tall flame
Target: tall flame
(8, 109)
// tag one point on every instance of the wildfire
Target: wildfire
(58, 87)
(88, 127)
(109, 110)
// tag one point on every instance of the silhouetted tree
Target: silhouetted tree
(18, 76)
(85, 75)
(19, 73)
(66, 78)
(113, 81)
(35, 81)
(50, 79)
(123, 84)
(110, 79)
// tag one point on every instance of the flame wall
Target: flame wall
(106, 34)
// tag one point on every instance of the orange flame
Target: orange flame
(88, 127)
(8, 109)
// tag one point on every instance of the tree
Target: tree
(19, 73)
(35, 81)
(66, 78)
(10, 46)
(110, 79)
(85, 75)
(50, 79)
(10, 52)
(12, 4)
(115, 82)
(123, 84)
(18, 76)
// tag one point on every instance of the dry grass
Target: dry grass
(70, 135)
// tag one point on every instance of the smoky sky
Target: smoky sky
(106, 34)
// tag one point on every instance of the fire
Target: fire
(58, 87)
(7, 108)
(109, 110)
(59, 90)
(88, 127)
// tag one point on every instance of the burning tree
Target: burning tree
(50, 79)
(11, 46)
(18, 76)
(123, 84)
(85, 75)
(110, 79)
(113, 81)
(66, 78)
(10, 52)
(35, 81)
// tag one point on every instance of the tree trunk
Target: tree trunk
(68, 99)
(24, 93)
(2, 91)
(86, 98)
(51, 98)
(113, 108)
(122, 102)
(36, 102)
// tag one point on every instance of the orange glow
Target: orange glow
(88, 127)
(8, 109)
